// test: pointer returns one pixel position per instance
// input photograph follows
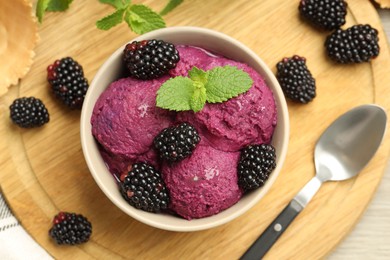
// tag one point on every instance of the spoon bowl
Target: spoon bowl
(341, 152)
(344, 148)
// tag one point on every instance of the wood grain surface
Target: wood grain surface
(369, 238)
(42, 171)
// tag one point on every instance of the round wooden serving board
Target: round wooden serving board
(42, 171)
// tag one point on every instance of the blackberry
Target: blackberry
(356, 44)
(296, 80)
(29, 112)
(70, 229)
(66, 77)
(255, 165)
(143, 188)
(324, 14)
(150, 59)
(177, 142)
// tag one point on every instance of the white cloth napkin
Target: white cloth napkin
(15, 243)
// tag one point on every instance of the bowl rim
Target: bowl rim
(85, 132)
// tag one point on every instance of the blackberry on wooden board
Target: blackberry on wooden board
(66, 78)
(296, 80)
(356, 44)
(324, 14)
(70, 229)
(28, 112)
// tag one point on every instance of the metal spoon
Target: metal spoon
(342, 151)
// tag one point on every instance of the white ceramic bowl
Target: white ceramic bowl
(111, 70)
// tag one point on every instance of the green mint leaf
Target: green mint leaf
(50, 6)
(214, 86)
(111, 20)
(131, 18)
(58, 5)
(199, 75)
(141, 19)
(226, 82)
(118, 4)
(175, 94)
(41, 8)
(198, 99)
(172, 4)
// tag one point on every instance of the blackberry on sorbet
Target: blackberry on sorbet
(70, 229)
(324, 14)
(66, 77)
(143, 188)
(28, 112)
(255, 165)
(356, 44)
(296, 80)
(177, 142)
(150, 59)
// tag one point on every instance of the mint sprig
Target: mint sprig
(214, 86)
(51, 6)
(140, 18)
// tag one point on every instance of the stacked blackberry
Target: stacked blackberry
(256, 164)
(177, 142)
(143, 188)
(150, 59)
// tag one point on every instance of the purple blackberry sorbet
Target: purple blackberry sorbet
(125, 121)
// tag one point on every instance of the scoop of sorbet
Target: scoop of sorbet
(249, 118)
(203, 184)
(125, 119)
